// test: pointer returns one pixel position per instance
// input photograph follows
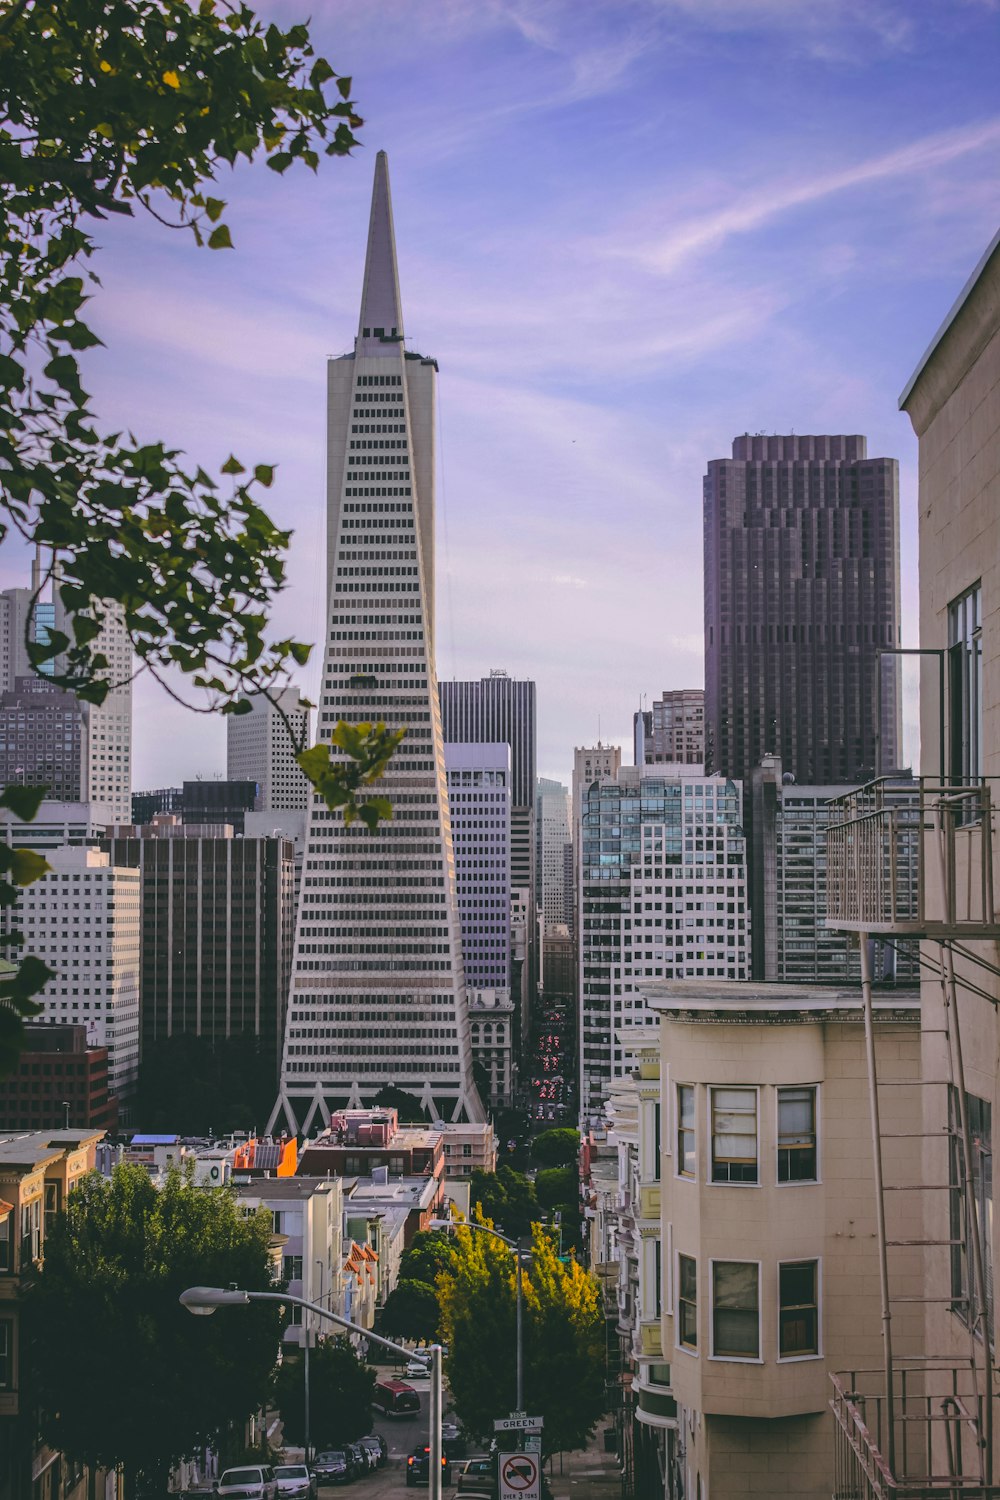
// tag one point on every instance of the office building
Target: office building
(378, 991)
(479, 797)
(491, 1022)
(41, 738)
(591, 763)
(791, 941)
(165, 799)
(801, 593)
(663, 895)
(20, 624)
(672, 732)
(59, 1079)
(83, 920)
(56, 824)
(261, 746)
(106, 728)
(219, 802)
(217, 929)
(552, 838)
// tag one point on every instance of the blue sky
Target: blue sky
(628, 230)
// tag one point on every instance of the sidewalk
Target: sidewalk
(587, 1474)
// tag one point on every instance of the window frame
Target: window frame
(817, 1262)
(964, 654)
(814, 1088)
(7, 1354)
(738, 1359)
(747, 1088)
(679, 1154)
(681, 1302)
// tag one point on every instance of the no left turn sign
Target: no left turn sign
(520, 1476)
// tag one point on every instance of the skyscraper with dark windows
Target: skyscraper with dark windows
(801, 592)
(378, 988)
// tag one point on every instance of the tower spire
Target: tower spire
(381, 309)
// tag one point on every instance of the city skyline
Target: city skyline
(719, 191)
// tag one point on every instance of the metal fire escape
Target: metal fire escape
(914, 860)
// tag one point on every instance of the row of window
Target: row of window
(734, 1135)
(735, 1326)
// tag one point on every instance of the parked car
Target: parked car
(376, 1443)
(248, 1482)
(416, 1370)
(332, 1467)
(453, 1440)
(479, 1477)
(418, 1466)
(363, 1462)
(295, 1482)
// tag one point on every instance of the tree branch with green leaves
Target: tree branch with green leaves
(127, 107)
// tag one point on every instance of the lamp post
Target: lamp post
(518, 1248)
(204, 1300)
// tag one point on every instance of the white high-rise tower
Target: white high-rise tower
(378, 989)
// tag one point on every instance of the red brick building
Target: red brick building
(59, 1082)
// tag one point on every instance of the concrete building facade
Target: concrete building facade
(672, 731)
(553, 835)
(261, 746)
(41, 738)
(479, 799)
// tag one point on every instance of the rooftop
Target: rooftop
(295, 1188)
(730, 1001)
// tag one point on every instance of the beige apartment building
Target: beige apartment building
(769, 1276)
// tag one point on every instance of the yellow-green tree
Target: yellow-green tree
(563, 1338)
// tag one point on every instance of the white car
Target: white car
(248, 1482)
(416, 1370)
(294, 1482)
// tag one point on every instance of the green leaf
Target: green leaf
(220, 238)
(264, 474)
(23, 801)
(300, 652)
(232, 466)
(214, 207)
(27, 867)
(344, 87)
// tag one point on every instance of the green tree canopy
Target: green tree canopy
(341, 1388)
(189, 1085)
(124, 1374)
(555, 1186)
(556, 1148)
(411, 1111)
(411, 1311)
(124, 107)
(430, 1251)
(505, 1197)
(563, 1338)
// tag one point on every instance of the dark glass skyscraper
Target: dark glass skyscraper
(801, 589)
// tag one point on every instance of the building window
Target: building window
(735, 1309)
(31, 1231)
(797, 1135)
(657, 1127)
(685, 1130)
(965, 685)
(6, 1354)
(963, 1278)
(798, 1309)
(687, 1302)
(53, 1203)
(734, 1135)
(7, 1244)
(293, 1268)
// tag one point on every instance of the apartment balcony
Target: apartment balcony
(935, 1449)
(914, 859)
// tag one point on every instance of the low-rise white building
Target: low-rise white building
(309, 1212)
(491, 1027)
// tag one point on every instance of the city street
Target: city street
(401, 1434)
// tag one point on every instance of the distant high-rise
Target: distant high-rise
(801, 591)
(106, 728)
(219, 802)
(493, 710)
(672, 732)
(479, 803)
(552, 837)
(378, 990)
(260, 747)
(40, 739)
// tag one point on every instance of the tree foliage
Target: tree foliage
(505, 1197)
(124, 1374)
(563, 1338)
(429, 1252)
(556, 1148)
(411, 1311)
(408, 1106)
(555, 1186)
(189, 1085)
(341, 1388)
(118, 107)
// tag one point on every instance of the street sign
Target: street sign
(518, 1422)
(533, 1442)
(520, 1476)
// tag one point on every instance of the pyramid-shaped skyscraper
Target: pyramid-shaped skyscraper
(378, 989)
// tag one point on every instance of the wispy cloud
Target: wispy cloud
(666, 253)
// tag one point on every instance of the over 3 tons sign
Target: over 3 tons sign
(520, 1476)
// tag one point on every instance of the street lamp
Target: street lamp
(518, 1248)
(203, 1300)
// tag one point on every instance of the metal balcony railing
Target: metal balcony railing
(936, 1436)
(912, 858)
